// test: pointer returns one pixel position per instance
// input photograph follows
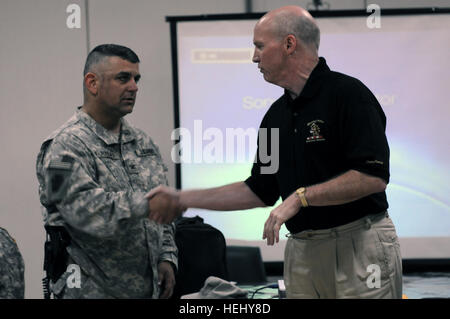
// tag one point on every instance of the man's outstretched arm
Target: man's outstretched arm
(236, 196)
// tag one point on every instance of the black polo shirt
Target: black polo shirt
(336, 124)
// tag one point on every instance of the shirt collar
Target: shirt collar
(105, 135)
(313, 83)
(127, 131)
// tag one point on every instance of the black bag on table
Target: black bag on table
(201, 253)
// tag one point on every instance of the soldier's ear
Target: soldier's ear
(91, 83)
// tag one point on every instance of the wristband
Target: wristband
(301, 194)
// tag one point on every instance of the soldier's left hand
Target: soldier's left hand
(166, 279)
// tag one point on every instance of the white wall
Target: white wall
(41, 84)
(40, 80)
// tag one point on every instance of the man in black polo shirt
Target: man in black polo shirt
(333, 171)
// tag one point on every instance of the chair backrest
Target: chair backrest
(201, 253)
(245, 265)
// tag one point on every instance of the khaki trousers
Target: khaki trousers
(357, 260)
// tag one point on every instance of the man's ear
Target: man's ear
(290, 44)
(91, 82)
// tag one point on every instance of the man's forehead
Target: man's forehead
(115, 64)
(263, 29)
(257, 32)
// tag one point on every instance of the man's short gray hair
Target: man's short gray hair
(302, 27)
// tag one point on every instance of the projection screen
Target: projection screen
(221, 97)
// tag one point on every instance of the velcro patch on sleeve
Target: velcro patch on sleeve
(59, 172)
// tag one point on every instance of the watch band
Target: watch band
(301, 194)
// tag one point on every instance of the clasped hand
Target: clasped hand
(164, 204)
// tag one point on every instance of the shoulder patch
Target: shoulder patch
(59, 172)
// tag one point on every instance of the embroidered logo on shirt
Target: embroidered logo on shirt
(314, 129)
(374, 162)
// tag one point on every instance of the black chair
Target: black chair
(245, 265)
(201, 253)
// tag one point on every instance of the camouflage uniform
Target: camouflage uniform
(11, 268)
(97, 186)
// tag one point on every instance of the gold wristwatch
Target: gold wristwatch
(301, 194)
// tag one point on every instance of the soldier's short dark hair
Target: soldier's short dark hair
(107, 50)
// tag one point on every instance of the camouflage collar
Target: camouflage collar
(105, 135)
(127, 131)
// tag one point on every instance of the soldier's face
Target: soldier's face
(118, 86)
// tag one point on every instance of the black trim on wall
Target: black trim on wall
(176, 97)
(314, 13)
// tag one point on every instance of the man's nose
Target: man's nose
(133, 86)
(255, 57)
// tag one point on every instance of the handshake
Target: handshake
(164, 204)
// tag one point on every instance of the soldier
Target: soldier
(12, 284)
(93, 173)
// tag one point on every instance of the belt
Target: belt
(365, 222)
